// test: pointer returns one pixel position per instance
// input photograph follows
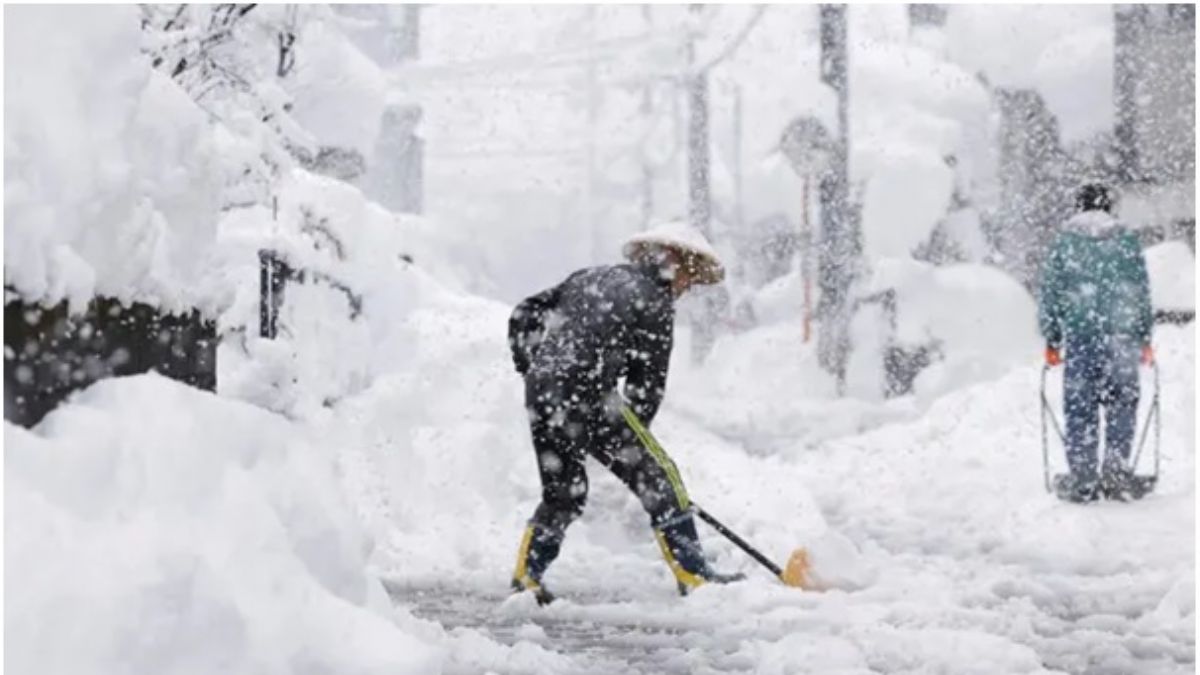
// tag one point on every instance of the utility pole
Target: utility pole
(593, 103)
(647, 112)
(409, 38)
(839, 241)
(1128, 26)
(699, 205)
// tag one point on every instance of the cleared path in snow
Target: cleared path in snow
(975, 568)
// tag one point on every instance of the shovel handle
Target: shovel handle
(741, 543)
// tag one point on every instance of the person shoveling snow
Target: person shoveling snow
(572, 343)
(1095, 302)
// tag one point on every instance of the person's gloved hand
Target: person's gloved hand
(1147, 354)
(1053, 357)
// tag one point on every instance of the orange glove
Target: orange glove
(1053, 358)
(1147, 355)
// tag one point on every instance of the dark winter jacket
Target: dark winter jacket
(1095, 283)
(600, 324)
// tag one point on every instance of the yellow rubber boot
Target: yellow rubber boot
(523, 579)
(685, 580)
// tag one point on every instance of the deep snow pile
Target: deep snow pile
(119, 178)
(1172, 269)
(365, 268)
(113, 176)
(152, 528)
(981, 322)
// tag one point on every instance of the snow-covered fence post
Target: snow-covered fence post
(273, 273)
(287, 44)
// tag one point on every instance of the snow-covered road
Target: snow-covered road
(219, 536)
(948, 554)
(1060, 623)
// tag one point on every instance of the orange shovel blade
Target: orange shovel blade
(797, 573)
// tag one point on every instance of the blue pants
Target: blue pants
(1100, 372)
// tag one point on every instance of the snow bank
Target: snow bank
(351, 251)
(1172, 268)
(112, 179)
(152, 528)
(984, 320)
(116, 180)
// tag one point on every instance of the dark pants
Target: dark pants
(567, 426)
(1100, 373)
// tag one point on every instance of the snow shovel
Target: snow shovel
(1143, 484)
(795, 574)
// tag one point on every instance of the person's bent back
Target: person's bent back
(600, 324)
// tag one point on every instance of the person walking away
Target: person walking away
(573, 343)
(1095, 306)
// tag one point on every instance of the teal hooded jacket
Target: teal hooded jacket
(1095, 284)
